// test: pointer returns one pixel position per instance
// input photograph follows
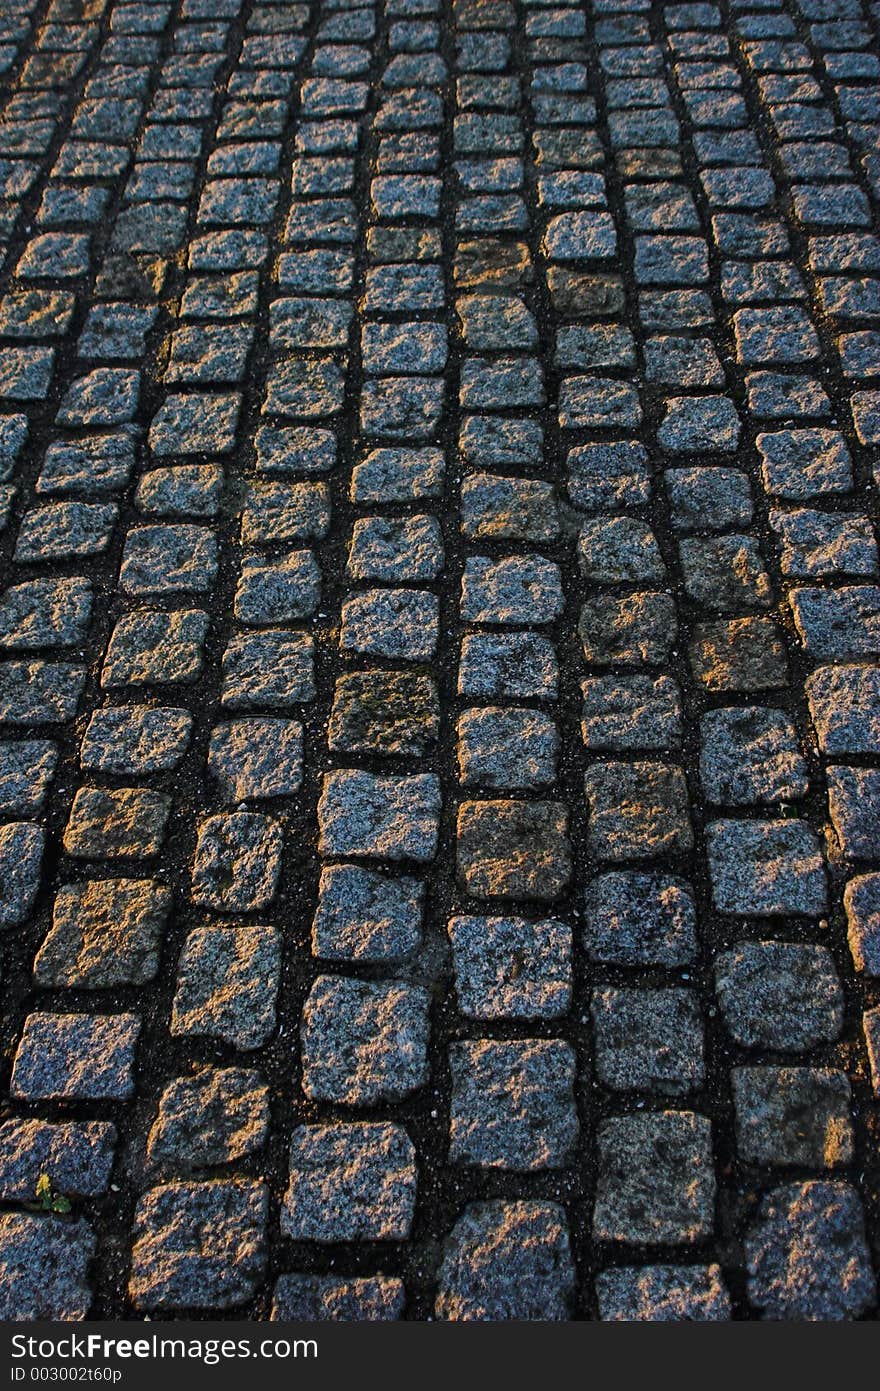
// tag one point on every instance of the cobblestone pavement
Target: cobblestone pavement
(440, 861)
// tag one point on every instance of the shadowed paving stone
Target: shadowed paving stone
(105, 932)
(854, 805)
(267, 670)
(513, 849)
(512, 1104)
(614, 550)
(168, 559)
(648, 1040)
(366, 916)
(149, 648)
(630, 712)
(45, 613)
(116, 823)
(806, 1254)
(384, 712)
(226, 985)
(294, 449)
(486, 439)
(632, 629)
(663, 1293)
(704, 499)
(508, 509)
(637, 919)
(598, 403)
(26, 770)
(637, 810)
(506, 666)
(506, 1260)
(750, 756)
(78, 1057)
(400, 623)
(779, 995)
(216, 1116)
(395, 818)
(39, 692)
(136, 739)
(320, 1298)
(350, 1183)
(199, 1245)
(278, 593)
(401, 408)
(871, 1030)
(507, 748)
(511, 968)
(395, 550)
(766, 868)
(861, 900)
(77, 1157)
(493, 323)
(188, 490)
(725, 573)
(21, 857)
(743, 654)
(656, 1182)
(364, 1042)
(237, 862)
(793, 1115)
(257, 758)
(43, 1267)
(608, 475)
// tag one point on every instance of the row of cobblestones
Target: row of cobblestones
(439, 870)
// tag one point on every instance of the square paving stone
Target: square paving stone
(392, 818)
(725, 573)
(656, 1182)
(350, 1183)
(44, 1264)
(364, 1042)
(76, 1156)
(781, 334)
(854, 805)
(401, 408)
(152, 648)
(861, 899)
(699, 425)
(663, 1293)
(107, 396)
(63, 530)
(816, 545)
(507, 666)
(507, 1260)
(803, 464)
(135, 739)
(77, 1057)
(27, 767)
(195, 424)
(257, 758)
(638, 919)
(512, 849)
(199, 1245)
(395, 550)
(401, 624)
(750, 755)
(37, 692)
(237, 862)
(21, 858)
(105, 933)
(271, 670)
(508, 509)
(118, 822)
(366, 916)
(384, 712)
(169, 559)
(278, 511)
(742, 654)
(501, 748)
(403, 347)
(398, 475)
(45, 613)
(516, 590)
(648, 1040)
(838, 623)
(631, 629)
(637, 810)
(779, 995)
(216, 1116)
(598, 403)
(187, 490)
(511, 968)
(227, 982)
(615, 474)
(328, 1298)
(617, 550)
(766, 868)
(512, 1104)
(294, 449)
(793, 1116)
(270, 593)
(630, 712)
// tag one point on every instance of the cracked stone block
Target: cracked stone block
(854, 806)
(511, 968)
(44, 1265)
(739, 654)
(364, 1042)
(503, 748)
(766, 868)
(750, 755)
(45, 613)
(227, 982)
(116, 823)
(21, 859)
(169, 560)
(508, 509)
(321, 1298)
(366, 916)
(517, 590)
(663, 1293)
(806, 1254)
(631, 629)
(631, 712)
(648, 1040)
(105, 933)
(656, 1182)
(401, 623)
(268, 593)
(639, 919)
(513, 849)
(218, 1115)
(199, 1245)
(803, 464)
(257, 758)
(150, 648)
(264, 671)
(77, 1057)
(505, 666)
(617, 550)
(637, 810)
(861, 899)
(76, 1156)
(384, 712)
(395, 550)
(781, 995)
(507, 1260)
(350, 1183)
(395, 818)
(237, 862)
(793, 1116)
(512, 1104)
